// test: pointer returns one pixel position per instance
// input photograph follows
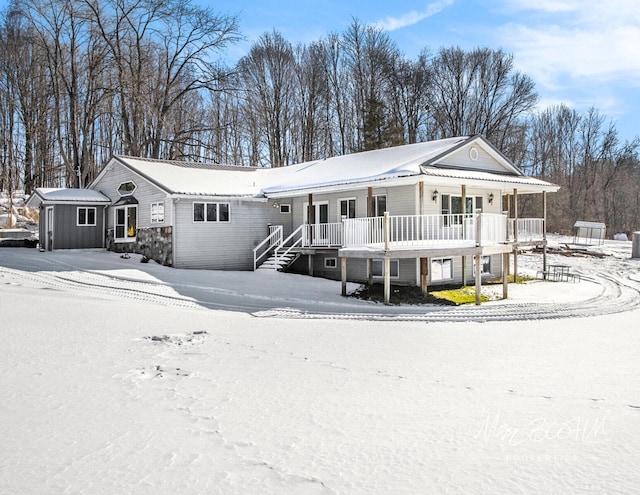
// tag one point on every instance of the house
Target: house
(70, 218)
(423, 214)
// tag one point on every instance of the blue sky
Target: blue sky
(579, 52)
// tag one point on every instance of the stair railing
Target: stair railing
(274, 239)
(287, 249)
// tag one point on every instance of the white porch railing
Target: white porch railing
(322, 234)
(494, 229)
(411, 230)
(529, 229)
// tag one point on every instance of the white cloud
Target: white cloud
(414, 17)
(600, 44)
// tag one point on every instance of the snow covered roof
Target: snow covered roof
(523, 183)
(387, 163)
(441, 158)
(195, 178)
(48, 195)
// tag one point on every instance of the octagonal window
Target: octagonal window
(126, 188)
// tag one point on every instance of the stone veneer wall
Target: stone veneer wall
(153, 243)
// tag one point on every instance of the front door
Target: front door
(48, 229)
(317, 233)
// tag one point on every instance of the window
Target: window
(347, 208)
(330, 262)
(86, 216)
(126, 188)
(285, 208)
(452, 205)
(210, 212)
(157, 212)
(125, 223)
(379, 205)
(486, 266)
(378, 268)
(441, 269)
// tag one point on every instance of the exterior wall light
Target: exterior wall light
(276, 205)
(491, 198)
(434, 195)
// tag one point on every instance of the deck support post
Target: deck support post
(515, 236)
(310, 264)
(478, 258)
(343, 274)
(387, 280)
(369, 215)
(424, 275)
(387, 260)
(505, 275)
(544, 231)
(464, 233)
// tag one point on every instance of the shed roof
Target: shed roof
(589, 225)
(53, 195)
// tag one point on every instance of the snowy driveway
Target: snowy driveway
(609, 285)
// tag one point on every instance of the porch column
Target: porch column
(464, 233)
(424, 275)
(387, 280)
(478, 259)
(544, 231)
(505, 274)
(311, 220)
(515, 236)
(369, 215)
(343, 273)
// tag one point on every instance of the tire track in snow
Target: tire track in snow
(619, 293)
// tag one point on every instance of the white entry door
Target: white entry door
(317, 233)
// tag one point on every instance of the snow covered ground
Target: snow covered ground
(123, 377)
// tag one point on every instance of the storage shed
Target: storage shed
(589, 232)
(70, 218)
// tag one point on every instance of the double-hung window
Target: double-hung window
(379, 205)
(157, 212)
(210, 212)
(86, 216)
(347, 208)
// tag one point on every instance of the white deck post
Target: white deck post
(464, 233)
(387, 280)
(515, 236)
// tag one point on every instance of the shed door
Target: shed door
(48, 229)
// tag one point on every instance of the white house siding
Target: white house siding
(484, 161)
(400, 201)
(146, 193)
(221, 245)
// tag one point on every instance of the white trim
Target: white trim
(86, 216)
(443, 279)
(126, 238)
(158, 218)
(339, 207)
(127, 193)
(205, 219)
(288, 205)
